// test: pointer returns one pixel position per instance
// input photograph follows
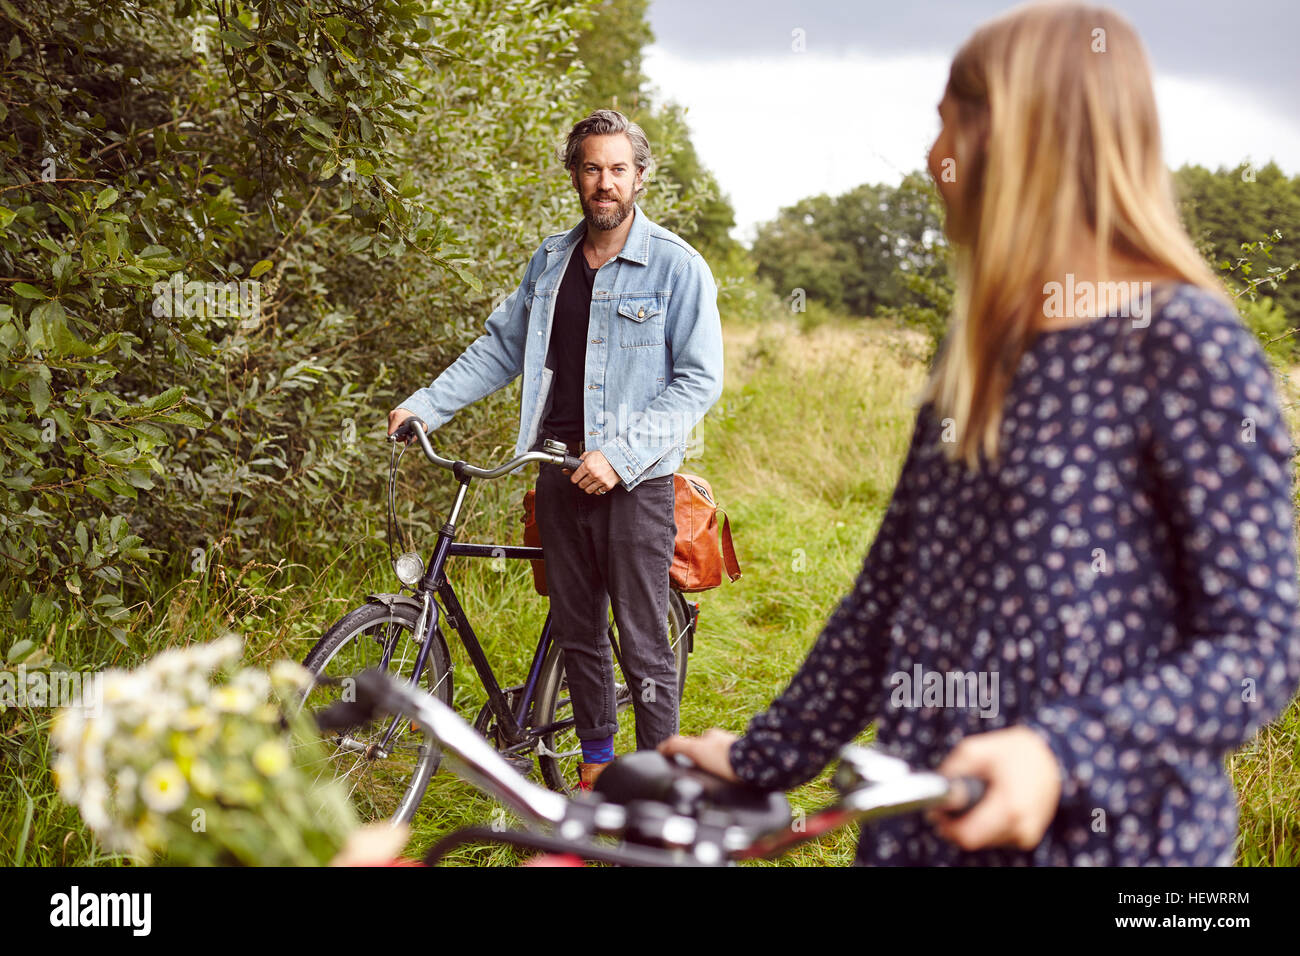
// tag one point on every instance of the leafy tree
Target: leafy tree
(1228, 207)
(374, 175)
(853, 251)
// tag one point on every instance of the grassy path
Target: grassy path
(802, 453)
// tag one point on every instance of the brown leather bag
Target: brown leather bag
(697, 565)
(697, 562)
(533, 539)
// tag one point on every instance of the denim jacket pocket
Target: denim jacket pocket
(644, 315)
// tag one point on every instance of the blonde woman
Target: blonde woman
(1094, 520)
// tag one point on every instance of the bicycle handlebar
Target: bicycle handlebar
(460, 467)
(672, 813)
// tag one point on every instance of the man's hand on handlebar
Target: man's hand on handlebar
(395, 419)
(710, 751)
(597, 475)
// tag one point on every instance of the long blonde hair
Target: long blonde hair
(1056, 128)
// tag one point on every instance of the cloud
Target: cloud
(779, 127)
(1249, 45)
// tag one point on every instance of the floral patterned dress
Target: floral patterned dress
(1124, 579)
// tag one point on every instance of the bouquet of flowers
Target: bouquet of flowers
(170, 765)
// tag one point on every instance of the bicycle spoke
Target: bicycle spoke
(378, 781)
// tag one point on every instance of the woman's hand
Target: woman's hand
(710, 751)
(1024, 787)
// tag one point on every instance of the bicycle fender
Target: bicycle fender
(389, 600)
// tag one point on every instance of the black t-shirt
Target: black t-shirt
(567, 354)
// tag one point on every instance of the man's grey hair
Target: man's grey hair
(606, 123)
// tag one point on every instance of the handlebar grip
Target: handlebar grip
(371, 696)
(970, 791)
(403, 432)
(571, 463)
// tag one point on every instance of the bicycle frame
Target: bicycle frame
(512, 723)
(434, 583)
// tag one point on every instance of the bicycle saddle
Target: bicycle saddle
(648, 777)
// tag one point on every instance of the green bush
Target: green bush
(233, 237)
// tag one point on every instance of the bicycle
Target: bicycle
(659, 812)
(389, 769)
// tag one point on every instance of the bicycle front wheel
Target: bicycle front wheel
(385, 780)
(559, 751)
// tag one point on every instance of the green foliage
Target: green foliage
(1251, 271)
(614, 32)
(1228, 210)
(743, 297)
(856, 252)
(704, 216)
(373, 177)
(1265, 318)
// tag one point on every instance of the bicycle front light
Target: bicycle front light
(409, 568)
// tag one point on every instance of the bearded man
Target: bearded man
(615, 331)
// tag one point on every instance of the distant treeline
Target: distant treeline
(879, 249)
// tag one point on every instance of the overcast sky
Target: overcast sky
(858, 104)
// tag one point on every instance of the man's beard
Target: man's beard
(606, 219)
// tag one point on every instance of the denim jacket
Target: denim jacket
(654, 351)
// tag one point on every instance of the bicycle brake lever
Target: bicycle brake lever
(407, 428)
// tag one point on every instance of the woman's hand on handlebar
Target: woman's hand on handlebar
(1024, 788)
(395, 419)
(710, 751)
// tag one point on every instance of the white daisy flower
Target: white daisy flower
(271, 758)
(163, 788)
(233, 699)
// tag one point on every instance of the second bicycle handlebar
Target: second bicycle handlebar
(669, 813)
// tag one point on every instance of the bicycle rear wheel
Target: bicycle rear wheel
(559, 751)
(384, 783)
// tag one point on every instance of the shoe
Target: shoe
(587, 773)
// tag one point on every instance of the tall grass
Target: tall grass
(802, 453)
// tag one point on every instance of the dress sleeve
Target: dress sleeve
(837, 690)
(1219, 455)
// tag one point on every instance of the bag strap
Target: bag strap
(729, 560)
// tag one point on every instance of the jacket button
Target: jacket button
(640, 313)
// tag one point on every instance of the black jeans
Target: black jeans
(602, 550)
